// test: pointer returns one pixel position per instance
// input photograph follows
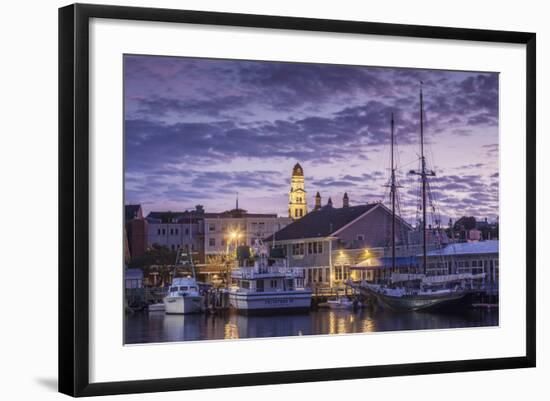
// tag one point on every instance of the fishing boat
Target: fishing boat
(416, 289)
(261, 283)
(184, 296)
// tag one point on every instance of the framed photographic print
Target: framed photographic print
(298, 199)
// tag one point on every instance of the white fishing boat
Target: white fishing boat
(340, 303)
(183, 294)
(261, 284)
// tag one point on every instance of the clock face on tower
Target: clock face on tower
(297, 205)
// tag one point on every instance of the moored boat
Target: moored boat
(184, 295)
(340, 303)
(419, 290)
(262, 284)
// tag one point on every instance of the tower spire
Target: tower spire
(236, 201)
(297, 205)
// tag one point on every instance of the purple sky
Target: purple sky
(197, 131)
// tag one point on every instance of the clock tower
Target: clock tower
(297, 205)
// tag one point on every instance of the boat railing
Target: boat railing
(251, 272)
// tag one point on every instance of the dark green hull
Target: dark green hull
(414, 302)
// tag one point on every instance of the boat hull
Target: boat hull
(182, 305)
(415, 302)
(275, 301)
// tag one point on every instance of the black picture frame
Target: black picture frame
(74, 198)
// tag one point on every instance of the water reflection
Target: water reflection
(158, 327)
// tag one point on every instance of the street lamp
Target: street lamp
(233, 236)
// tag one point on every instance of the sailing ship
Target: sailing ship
(263, 286)
(184, 295)
(419, 289)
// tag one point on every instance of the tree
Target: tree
(157, 259)
(465, 223)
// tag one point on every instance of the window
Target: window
(212, 241)
(163, 231)
(171, 231)
(224, 242)
(261, 226)
(177, 231)
(295, 212)
(212, 227)
(298, 249)
(360, 237)
(158, 231)
(314, 248)
(186, 231)
(172, 247)
(273, 283)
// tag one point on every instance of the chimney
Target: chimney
(345, 201)
(317, 201)
(329, 203)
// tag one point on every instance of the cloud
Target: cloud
(185, 118)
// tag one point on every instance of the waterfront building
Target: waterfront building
(468, 257)
(315, 241)
(455, 258)
(223, 232)
(136, 230)
(207, 234)
(297, 204)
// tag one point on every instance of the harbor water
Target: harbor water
(155, 327)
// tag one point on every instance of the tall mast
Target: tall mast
(424, 182)
(393, 188)
(424, 174)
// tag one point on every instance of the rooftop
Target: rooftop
(321, 223)
(184, 217)
(466, 248)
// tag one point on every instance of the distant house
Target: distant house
(319, 241)
(178, 230)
